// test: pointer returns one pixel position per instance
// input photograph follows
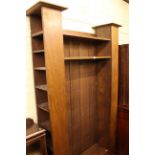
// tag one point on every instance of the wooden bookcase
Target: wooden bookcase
(76, 83)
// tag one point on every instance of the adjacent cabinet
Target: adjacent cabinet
(76, 83)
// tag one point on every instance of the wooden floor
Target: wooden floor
(96, 150)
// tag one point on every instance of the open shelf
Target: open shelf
(45, 125)
(42, 87)
(44, 106)
(73, 34)
(38, 34)
(87, 58)
(40, 68)
(39, 51)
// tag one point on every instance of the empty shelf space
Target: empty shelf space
(42, 87)
(44, 106)
(88, 58)
(80, 35)
(45, 125)
(96, 150)
(38, 51)
(37, 34)
(40, 68)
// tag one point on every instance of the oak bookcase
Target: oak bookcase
(76, 83)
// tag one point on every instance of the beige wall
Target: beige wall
(81, 16)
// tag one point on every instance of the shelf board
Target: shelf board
(43, 106)
(42, 87)
(86, 36)
(38, 34)
(39, 51)
(45, 125)
(40, 68)
(73, 34)
(87, 58)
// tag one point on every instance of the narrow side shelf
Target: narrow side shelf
(42, 87)
(37, 34)
(44, 106)
(39, 51)
(87, 58)
(40, 68)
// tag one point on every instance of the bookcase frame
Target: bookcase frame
(76, 83)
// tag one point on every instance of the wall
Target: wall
(81, 16)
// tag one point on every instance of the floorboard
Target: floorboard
(96, 150)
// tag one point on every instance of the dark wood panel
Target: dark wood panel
(103, 102)
(75, 100)
(41, 96)
(36, 24)
(82, 95)
(44, 117)
(68, 89)
(123, 132)
(84, 99)
(123, 75)
(40, 77)
(37, 44)
(123, 109)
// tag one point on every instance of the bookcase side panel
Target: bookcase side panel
(54, 56)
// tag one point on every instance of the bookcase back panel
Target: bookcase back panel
(81, 93)
(39, 60)
(103, 101)
(36, 23)
(78, 48)
(88, 92)
(41, 96)
(103, 49)
(40, 77)
(44, 116)
(88, 85)
(37, 44)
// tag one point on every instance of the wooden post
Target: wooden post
(55, 71)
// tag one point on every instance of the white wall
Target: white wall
(81, 15)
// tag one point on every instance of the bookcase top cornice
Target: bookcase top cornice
(36, 8)
(108, 24)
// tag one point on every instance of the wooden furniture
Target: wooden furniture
(76, 82)
(123, 100)
(35, 141)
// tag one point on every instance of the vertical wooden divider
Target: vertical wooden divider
(114, 91)
(55, 71)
